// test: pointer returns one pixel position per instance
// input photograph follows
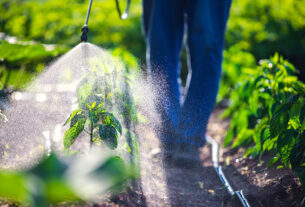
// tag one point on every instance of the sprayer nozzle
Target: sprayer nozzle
(85, 30)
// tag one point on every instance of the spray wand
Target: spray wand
(85, 28)
(123, 16)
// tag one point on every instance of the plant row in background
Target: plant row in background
(27, 20)
(268, 112)
(25, 30)
(265, 27)
(259, 27)
(21, 61)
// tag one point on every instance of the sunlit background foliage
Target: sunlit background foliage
(259, 27)
(34, 32)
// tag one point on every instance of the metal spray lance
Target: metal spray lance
(123, 16)
(85, 28)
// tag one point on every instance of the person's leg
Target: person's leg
(164, 27)
(206, 22)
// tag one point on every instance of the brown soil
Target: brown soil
(164, 184)
(262, 186)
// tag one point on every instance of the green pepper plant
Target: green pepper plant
(93, 119)
(268, 114)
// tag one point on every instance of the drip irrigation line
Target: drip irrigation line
(222, 177)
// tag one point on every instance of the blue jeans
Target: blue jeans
(164, 23)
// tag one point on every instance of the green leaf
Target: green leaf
(109, 135)
(279, 123)
(244, 136)
(297, 152)
(76, 118)
(114, 171)
(292, 99)
(48, 184)
(270, 144)
(93, 105)
(285, 143)
(71, 116)
(229, 136)
(49, 168)
(299, 87)
(257, 80)
(100, 106)
(89, 102)
(116, 123)
(252, 121)
(13, 186)
(265, 135)
(302, 113)
(110, 119)
(275, 58)
(58, 190)
(275, 108)
(272, 161)
(73, 132)
(93, 115)
(253, 103)
(88, 106)
(259, 132)
(114, 166)
(249, 151)
(294, 123)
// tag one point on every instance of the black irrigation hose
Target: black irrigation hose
(218, 169)
(123, 16)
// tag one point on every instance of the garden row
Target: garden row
(267, 109)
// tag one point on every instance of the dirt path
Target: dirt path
(164, 184)
(168, 185)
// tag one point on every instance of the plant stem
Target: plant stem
(91, 134)
(105, 98)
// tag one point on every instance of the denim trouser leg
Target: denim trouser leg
(206, 22)
(164, 27)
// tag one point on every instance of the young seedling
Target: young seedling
(93, 119)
